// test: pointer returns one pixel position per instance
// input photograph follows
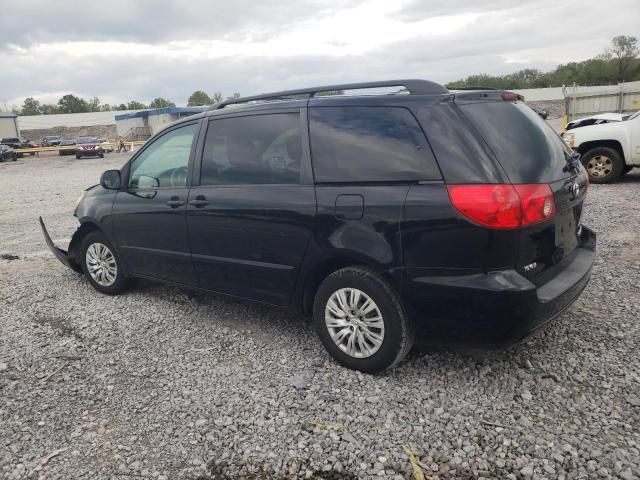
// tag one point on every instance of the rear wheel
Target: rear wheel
(603, 164)
(360, 320)
(101, 265)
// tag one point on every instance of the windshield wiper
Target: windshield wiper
(573, 162)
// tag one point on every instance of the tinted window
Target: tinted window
(525, 145)
(360, 144)
(461, 155)
(255, 149)
(164, 162)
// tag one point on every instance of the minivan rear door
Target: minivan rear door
(251, 209)
(530, 152)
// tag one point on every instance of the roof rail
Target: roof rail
(415, 87)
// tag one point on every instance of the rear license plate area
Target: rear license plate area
(566, 228)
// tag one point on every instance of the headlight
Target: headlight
(569, 139)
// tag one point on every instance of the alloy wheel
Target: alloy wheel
(599, 166)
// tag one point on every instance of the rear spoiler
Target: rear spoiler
(483, 93)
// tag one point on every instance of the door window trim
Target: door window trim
(126, 170)
(306, 175)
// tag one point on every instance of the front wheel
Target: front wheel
(603, 164)
(101, 265)
(360, 320)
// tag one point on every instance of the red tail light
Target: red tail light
(504, 206)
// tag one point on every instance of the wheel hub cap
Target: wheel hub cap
(600, 166)
(101, 264)
(354, 322)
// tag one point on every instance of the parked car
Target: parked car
(67, 143)
(17, 143)
(341, 208)
(7, 153)
(106, 146)
(89, 147)
(51, 140)
(596, 120)
(608, 150)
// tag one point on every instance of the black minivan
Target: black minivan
(423, 212)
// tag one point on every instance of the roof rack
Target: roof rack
(415, 87)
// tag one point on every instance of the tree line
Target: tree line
(73, 104)
(618, 63)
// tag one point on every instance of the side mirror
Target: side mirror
(110, 180)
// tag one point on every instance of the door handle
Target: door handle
(199, 201)
(175, 202)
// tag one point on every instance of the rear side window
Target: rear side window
(369, 144)
(257, 149)
(527, 148)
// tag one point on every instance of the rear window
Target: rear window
(525, 145)
(369, 144)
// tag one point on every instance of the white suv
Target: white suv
(608, 150)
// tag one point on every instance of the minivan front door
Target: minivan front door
(251, 216)
(149, 217)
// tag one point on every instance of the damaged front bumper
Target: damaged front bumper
(60, 254)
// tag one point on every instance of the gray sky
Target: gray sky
(123, 50)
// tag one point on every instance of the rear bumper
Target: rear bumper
(493, 309)
(60, 254)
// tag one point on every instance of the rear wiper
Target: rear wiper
(573, 162)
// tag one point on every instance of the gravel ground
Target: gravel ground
(166, 384)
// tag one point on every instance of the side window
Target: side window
(164, 162)
(368, 144)
(256, 149)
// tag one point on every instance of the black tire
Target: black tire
(77, 157)
(627, 169)
(121, 282)
(15, 157)
(398, 329)
(609, 171)
(102, 155)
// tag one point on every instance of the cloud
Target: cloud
(142, 50)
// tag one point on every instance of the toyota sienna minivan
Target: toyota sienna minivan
(420, 212)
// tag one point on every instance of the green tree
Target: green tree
(198, 98)
(161, 103)
(31, 106)
(122, 106)
(216, 97)
(94, 104)
(623, 51)
(49, 109)
(106, 108)
(235, 95)
(135, 105)
(72, 104)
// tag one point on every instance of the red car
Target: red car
(89, 147)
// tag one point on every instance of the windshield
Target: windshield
(87, 140)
